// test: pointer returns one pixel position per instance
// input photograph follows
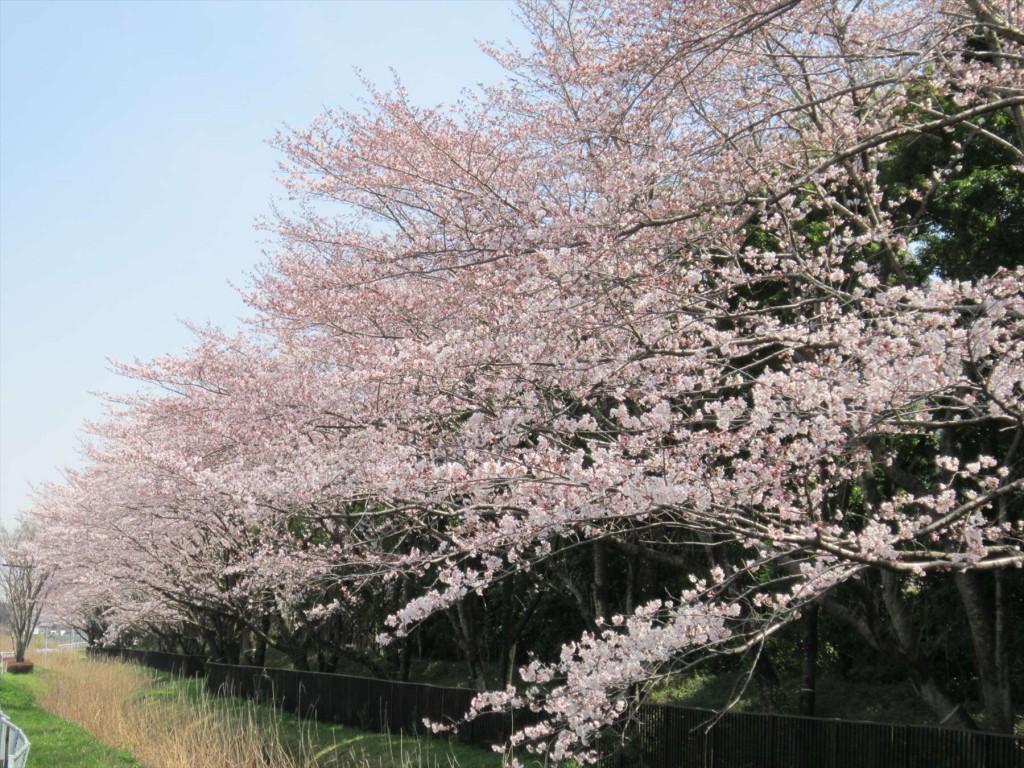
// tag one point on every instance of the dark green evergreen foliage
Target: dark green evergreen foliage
(972, 223)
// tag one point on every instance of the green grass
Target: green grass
(339, 746)
(59, 743)
(449, 673)
(835, 697)
(56, 743)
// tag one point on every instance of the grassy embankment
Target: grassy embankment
(55, 741)
(836, 698)
(170, 723)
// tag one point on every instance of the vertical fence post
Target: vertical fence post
(831, 741)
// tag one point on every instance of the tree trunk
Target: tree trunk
(405, 656)
(809, 668)
(631, 585)
(1003, 616)
(259, 653)
(405, 659)
(931, 690)
(901, 646)
(465, 634)
(512, 629)
(986, 619)
(508, 643)
(298, 652)
(600, 582)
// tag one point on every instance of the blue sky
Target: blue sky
(133, 163)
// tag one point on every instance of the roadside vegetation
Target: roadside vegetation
(835, 697)
(696, 343)
(55, 741)
(86, 713)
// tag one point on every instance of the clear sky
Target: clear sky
(133, 164)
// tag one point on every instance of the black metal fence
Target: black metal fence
(658, 736)
(677, 737)
(375, 705)
(175, 663)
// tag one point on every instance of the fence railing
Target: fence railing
(175, 663)
(657, 736)
(14, 745)
(370, 704)
(677, 737)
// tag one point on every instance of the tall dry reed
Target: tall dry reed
(167, 728)
(164, 726)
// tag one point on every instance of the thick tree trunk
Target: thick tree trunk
(512, 628)
(298, 653)
(465, 633)
(931, 690)
(257, 653)
(1003, 616)
(901, 646)
(767, 679)
(580, 599)
(224, 635)
(986, 619)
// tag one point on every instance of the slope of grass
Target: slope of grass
(167, 722)
(55, 742)
(334, 746)
(836, 698)
(330, 746)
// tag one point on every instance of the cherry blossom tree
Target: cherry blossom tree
(25, 583)
(656, 283)
(664, 291)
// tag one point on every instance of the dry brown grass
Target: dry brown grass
(169, 728)
(178, 725)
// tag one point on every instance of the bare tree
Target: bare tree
(25, 585)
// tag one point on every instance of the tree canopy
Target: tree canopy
(732, 289)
